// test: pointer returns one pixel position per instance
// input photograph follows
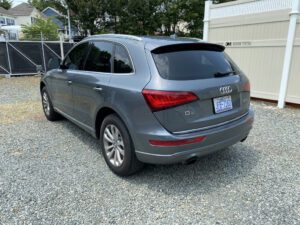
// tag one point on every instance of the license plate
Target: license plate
(223, 104)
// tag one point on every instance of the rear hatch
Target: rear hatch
(197, 86)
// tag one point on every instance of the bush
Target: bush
(44, 26)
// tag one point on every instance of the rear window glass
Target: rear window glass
(194, 64)
(122, 63)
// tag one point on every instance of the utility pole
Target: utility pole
(69, 26)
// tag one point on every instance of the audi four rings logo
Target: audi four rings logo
(225, 90)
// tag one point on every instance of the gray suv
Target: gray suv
(150, 99)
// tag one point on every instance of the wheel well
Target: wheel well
(104, 112)
(42, 85)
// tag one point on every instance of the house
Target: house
(11, 20)
(24, 13)
(60, 20)
(7, 25)
(6, 18)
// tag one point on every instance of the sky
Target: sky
(16, 2)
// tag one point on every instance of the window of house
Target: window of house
(33, 20)
(122, 62)
(2, 20)
(100, 57)
(10, 21)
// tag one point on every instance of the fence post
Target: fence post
(206, 20)
(43, 52)
(61, 41)
(8, 59)
(288, 53)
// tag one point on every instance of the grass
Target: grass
(24, 80)
(20, 111)
(17, 112)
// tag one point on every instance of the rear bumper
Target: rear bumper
(216, 139)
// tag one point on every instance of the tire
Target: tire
(120, 159)
(48, 109)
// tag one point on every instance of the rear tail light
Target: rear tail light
(158, 100)
(162, 143)
(247, 86)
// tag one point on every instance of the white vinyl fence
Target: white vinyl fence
(263, 37)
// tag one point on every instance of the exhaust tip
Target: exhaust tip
(190, 161)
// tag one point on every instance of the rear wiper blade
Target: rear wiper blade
(219, 74)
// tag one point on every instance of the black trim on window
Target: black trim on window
(188, 47)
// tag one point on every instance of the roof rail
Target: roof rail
(132, 37)
(196, 39)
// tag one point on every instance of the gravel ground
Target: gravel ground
(54, 173)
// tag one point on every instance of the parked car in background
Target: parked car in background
(150, 99)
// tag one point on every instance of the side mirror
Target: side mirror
(53, 63)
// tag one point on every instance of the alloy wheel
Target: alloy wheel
(113, 145)
(46, 103)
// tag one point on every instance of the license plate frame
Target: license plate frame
(223, 104)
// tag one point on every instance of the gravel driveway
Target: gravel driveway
(54, 173)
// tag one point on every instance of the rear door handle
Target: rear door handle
(69, 82)
(97, 89)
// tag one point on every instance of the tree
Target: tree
(6, 4)
(193, 16)
(41, 26)
(140, 17)
(42, 4)
(86, 13)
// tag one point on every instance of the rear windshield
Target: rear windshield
(194, 64)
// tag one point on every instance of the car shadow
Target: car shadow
(208, 173)
(211, 172)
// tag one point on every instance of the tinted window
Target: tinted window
(100, 57)
(75, 59)
(122, 62)
(193, 64)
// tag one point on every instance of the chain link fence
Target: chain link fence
(25, 57)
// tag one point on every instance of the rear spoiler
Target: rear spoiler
(188, 47)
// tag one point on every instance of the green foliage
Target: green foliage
(183, 15)
(86, 12)
(44, 26)
(140, 17)
(6, 4)
(42, 4)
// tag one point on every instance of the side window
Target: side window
(100, 57)
(75, 59)
(122, 62)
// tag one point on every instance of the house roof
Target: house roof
(49, 11)
(23, 9)
(4, 11)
